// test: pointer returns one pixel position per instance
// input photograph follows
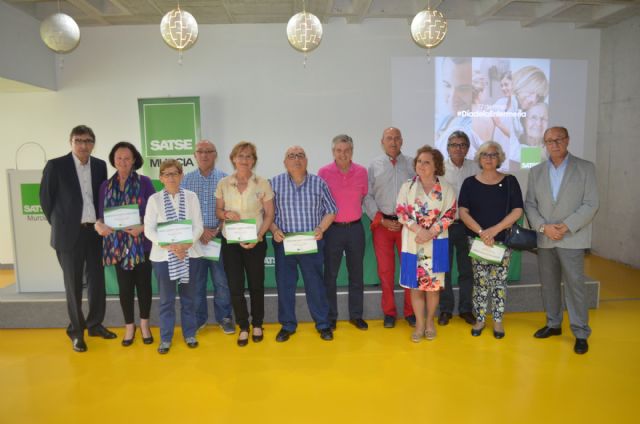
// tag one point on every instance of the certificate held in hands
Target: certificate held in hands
(492, 254)
(179, 231)
(121, 217)
(300, 243)
(243, 231)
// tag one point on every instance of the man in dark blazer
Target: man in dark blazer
(69, 195)
(562, 199)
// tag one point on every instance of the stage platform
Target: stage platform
(48, 310)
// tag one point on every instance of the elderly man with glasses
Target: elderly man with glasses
(457, 169)
(304, 210)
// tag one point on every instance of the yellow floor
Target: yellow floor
(376, 376)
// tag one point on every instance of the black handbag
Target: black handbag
(517, 237)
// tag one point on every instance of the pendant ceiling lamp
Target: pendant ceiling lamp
(428, 28)
(179, 30)
(304, 32)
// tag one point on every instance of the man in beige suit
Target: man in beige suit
(562, 199)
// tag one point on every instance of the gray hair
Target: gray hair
(459, 134)
(341, 138)
(488, 145)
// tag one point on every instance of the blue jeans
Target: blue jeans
(167, 291)
(221, 295)
(287, 279)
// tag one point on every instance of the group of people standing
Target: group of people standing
(425, 208)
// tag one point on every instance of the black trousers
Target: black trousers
(131, 281)
(84, 260)
(237, 262)
(350, 240)
(458, 240)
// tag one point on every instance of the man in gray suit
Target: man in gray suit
(562, 199)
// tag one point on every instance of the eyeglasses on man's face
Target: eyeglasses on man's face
(555, 141)
(206, 152)
(83, 141)
(458, 145)
(293, 156)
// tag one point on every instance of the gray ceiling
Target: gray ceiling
(581, 13)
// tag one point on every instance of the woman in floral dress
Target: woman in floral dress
(426, 207)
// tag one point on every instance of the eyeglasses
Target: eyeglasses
(555, 141)
(170, 174)
(458, 145)
(494, 155)
(85, 141)
(293, 156)
(205, 152)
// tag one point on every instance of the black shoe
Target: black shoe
(359, 323)
(79, 345)
(129, 342)
(332, 324)
(498, 334)
(581, 347)
(411, 320)
(147, 340)
(389, 321)
(245, 341)
(283, 335)
(326, 334)
(546, 332)
(476, 332)
(468, 318)
(100, 331)
(257, 338)
(443, 318)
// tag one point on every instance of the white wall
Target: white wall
(616, 233)
(23, 55)
(253, 86)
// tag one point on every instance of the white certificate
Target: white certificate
(175, 232)
(211, 250)
(243, 231)
(121, 217)
(492, 254)
(300, 243)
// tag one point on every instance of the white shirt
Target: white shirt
(84, 176)
(155, 214)
(455, 175)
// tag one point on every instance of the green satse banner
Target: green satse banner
(169, 129)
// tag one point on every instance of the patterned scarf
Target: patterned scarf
(178, 269)
(121, 247)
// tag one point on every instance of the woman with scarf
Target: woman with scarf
(127, 249)
(173, 223)
(426, 207)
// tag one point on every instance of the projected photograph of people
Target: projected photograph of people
(501, 99)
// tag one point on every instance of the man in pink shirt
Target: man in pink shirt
(348, 184)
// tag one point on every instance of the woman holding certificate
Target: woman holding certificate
(426, 207)
(490, 202)
(245, 202)
(173, 222)
(122, 203)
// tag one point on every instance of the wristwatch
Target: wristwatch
(541, 229)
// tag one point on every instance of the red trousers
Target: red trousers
(384, 242)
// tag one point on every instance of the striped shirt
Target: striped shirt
(205, 188)
(301, 208)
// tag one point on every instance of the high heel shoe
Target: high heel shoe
(243, 342)
(257, 337)
(476, 332)
(146, 340)
(129, 342)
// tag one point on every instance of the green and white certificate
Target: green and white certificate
(300, 243)
(243, 231)
(121, 217)
(179, 231)
(492, 254)
(211, 250)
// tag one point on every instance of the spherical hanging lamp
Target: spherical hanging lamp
(179, 29)
(428, 28)
(304, 32)
(60, 33)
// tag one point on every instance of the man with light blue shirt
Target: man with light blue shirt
(303, 204)
(203, 181)
(562, 200)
